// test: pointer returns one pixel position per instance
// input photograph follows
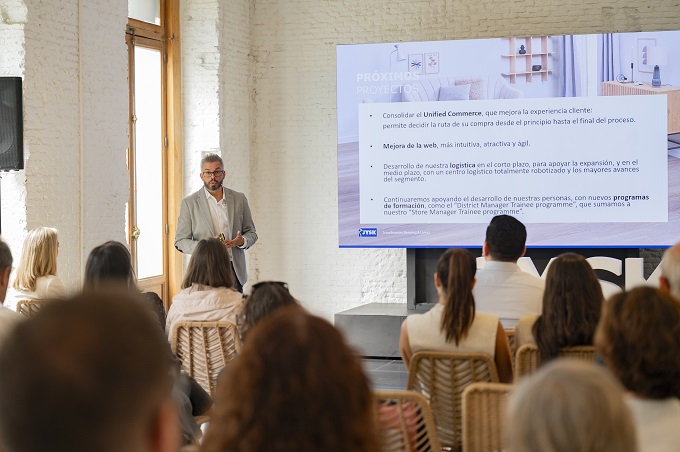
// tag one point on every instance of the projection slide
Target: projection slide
(429, 151)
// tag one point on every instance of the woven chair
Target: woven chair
(204, 349)
(442, 377)
(405, 422)
(29, 308)
(512, 341)
(484, 416)
(528, 360)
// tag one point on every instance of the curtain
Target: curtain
(607, 71)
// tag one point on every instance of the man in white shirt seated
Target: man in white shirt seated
(502, 288)
(8, 318)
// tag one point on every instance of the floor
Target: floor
(386, 374)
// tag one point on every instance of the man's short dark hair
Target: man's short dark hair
(211, 158)
(506, 237)
(5, 255)
(85, 374)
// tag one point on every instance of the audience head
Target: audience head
(89, 373)
(639, 340)
(296, 386)
(109, 265)
(572, 302)
(454, 279)
(5, 268)
(670, 271)
(568, 406)
(38, 258)
(264, 299)
(506, 239)
(209, 265)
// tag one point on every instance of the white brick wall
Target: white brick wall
(200, 85)
(73, 59)
(12, 185)
(104, 180)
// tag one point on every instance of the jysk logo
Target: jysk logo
(368, 232)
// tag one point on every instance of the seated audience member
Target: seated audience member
(639, 340)
(453, 325)
(110, 265)
(569, 406)
(670, 271)
(87, 374)
(8, 318)
(502, 288)
(265, 298)
(36, 275)
(297, 386)
(571, 308)
(208, 292)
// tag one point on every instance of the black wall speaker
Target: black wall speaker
(11, 124)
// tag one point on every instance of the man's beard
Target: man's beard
(207, 185)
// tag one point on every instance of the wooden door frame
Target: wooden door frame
(168, 34)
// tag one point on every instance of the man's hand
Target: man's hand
(236, 241)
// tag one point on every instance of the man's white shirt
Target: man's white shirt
(503, 289)
(219, 215)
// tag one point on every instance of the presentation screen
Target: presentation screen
(576, 136)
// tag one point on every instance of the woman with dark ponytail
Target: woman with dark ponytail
(452, 324)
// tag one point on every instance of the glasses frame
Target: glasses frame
(209, 174)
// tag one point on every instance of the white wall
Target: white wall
(73, 58)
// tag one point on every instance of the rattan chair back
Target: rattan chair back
(484, 416)
(204, 349)
(29, 308)
(405, 422)
(528, 360)
(442, 377)
(512, 342)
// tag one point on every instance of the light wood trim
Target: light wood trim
(672, 95)
(174, 151)
(145, 30)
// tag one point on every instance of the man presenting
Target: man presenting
(215, 210)
(502, 288)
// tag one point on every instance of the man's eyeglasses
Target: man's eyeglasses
(208, 174)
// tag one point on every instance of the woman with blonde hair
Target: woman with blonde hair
(208, 292)
(36, 275)
(452, 325)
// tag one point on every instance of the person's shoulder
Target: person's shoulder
(234, 193)
(525, 323)
(7, 316)
(194, 195)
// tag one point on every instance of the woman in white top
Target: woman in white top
(208, 292)
(453, 325)
(36, 276)
(639, 339)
